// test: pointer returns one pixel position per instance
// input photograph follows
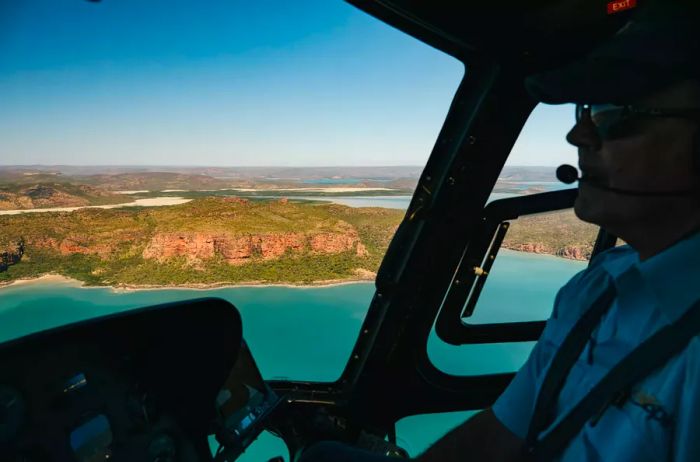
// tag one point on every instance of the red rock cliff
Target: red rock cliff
(240, 249)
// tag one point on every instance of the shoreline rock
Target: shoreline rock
(572, 252)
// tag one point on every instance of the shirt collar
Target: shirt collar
(618, 260)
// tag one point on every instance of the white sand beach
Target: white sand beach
(150, 202)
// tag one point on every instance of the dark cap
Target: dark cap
(657, 47)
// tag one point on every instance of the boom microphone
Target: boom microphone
(568, 174)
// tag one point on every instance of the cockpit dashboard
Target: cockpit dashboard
(147, 385)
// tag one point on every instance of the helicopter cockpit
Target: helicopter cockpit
(122, 388)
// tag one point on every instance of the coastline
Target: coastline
(125, 288)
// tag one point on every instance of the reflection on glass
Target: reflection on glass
(76, 382)
(91, 441)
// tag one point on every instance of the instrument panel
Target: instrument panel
(243, 405)
(146, 385)
(83, 403)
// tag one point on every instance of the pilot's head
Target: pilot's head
(637, 126)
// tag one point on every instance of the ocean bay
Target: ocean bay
(307, 333)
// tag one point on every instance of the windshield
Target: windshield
(262, 153)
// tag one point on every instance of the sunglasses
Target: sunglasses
(617, 121)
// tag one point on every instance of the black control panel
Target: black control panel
(80, 402)
(243, 405)
(147, 385)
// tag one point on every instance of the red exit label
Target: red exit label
(621, 5)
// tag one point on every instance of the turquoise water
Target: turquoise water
(521, 287)
(331, 181)
(390, 202)
(546, 185)
(308, 333)
(326, 181)
(288, 329)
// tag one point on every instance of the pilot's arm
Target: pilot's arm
(481, 438)
(491, 435)
(495, 434)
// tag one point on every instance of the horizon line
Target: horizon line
(238, 166)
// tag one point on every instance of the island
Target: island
(204, 242)
(213, 227)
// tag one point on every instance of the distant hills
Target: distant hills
(51, 194)
(12, 172)
(15, 181)
(57, 186)
(27, 187)
(284, 173)
(535, 174)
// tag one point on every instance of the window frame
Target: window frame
(463, 293)
(473, 270)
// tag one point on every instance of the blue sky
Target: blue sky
(227, 82)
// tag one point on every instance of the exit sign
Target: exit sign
(621, 5)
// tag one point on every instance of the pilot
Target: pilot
(637, 132)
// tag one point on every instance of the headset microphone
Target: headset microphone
(568, 174)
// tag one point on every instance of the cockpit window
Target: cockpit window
(538, 254)
(264, 154)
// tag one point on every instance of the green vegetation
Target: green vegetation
(215, 240)
(106, 247)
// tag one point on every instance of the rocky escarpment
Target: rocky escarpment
(571, 252)
(575, 253)
(240, 249)
(559, 233)
(11, 254)
(103, 245)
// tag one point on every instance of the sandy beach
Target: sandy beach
(53, 278)
(151, 202)
(43, 279)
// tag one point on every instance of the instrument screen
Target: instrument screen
(244, 402)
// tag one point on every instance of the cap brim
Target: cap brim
(597, 82)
